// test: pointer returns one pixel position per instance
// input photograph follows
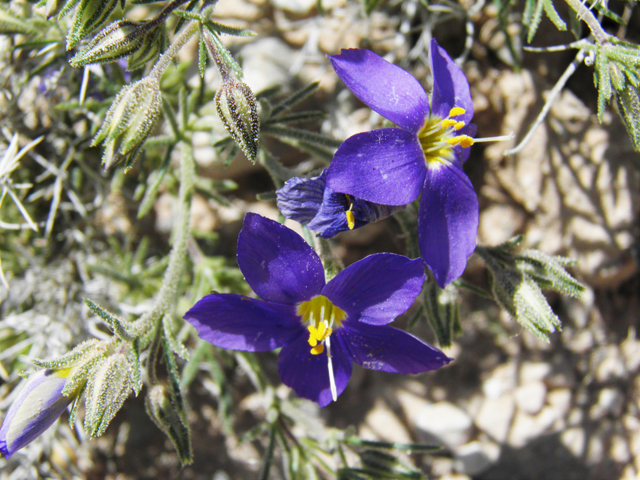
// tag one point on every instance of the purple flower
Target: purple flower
(310, 202)
(38, 405)
(393, 166)
(322, 327)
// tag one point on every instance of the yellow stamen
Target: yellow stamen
(318, 349)
(464, 141)
(455, 111)
(459, 125)
(351, 220)
(448, 122)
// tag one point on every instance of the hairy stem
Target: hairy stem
(585, 14)
(177, 258)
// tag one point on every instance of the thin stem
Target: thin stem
(268, 457)
(550, 99)
(179, 42)
(589, 18)
(177, 257)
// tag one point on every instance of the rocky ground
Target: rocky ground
(510, 407)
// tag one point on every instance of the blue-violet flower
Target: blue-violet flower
(38, 405)
(310, 202)
(393, 166)
(322, 327)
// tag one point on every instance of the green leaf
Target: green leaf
(443, 311)
(551, 12)
(119, 327)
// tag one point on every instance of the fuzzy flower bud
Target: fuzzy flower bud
(90, 15)
(238, 110)
(115, 41)
(38, 405)
(129, 122)
(107, 389)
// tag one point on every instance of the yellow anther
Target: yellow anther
(317, 350)
(466, 141)
(459, 125)
(448, 122)
(455, 111)
(351, 220)
(317, 335)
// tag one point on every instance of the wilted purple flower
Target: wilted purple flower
(303, 314)
(38, 405)
(310, 202)
(393, 166)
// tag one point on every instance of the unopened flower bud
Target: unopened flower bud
(107, 390)
(166, 409)
(38, 405)
(90, 15)
(238, 109)
(115, 41)
(153, 43)
(129, 122)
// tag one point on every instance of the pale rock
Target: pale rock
(386, 425)
(445, 423)
(295, 6)
(560, 400)
(202, 216)
(629, 473)
(526, 427)
(534, 371)
(595, 449)
(500, 222)
(581, 342)
(267, 62)
(494, 417)
(454, 476)
(502, 380)
(475, 458)
(164, 217)
(619, 450)
(630, 350)
(574, 440)
(610, 402)
(530, 397)
(611, 364)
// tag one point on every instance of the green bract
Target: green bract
(129, 122)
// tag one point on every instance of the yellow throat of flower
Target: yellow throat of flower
(438, 136)
(321, 317)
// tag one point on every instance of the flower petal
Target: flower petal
(310, 202)
(39, 403)
(378, 288)
(447, 222)
(386, 88)
(383, 166)
(237, 322)
(389, 349)
(277, 263)
(308, 375)
(450, 86)
(300, 199)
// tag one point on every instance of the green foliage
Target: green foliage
(517, 280)
(533, 15)
(442, 309)
(617, 75)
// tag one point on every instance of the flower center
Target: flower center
(321, 317)
(438, 136)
